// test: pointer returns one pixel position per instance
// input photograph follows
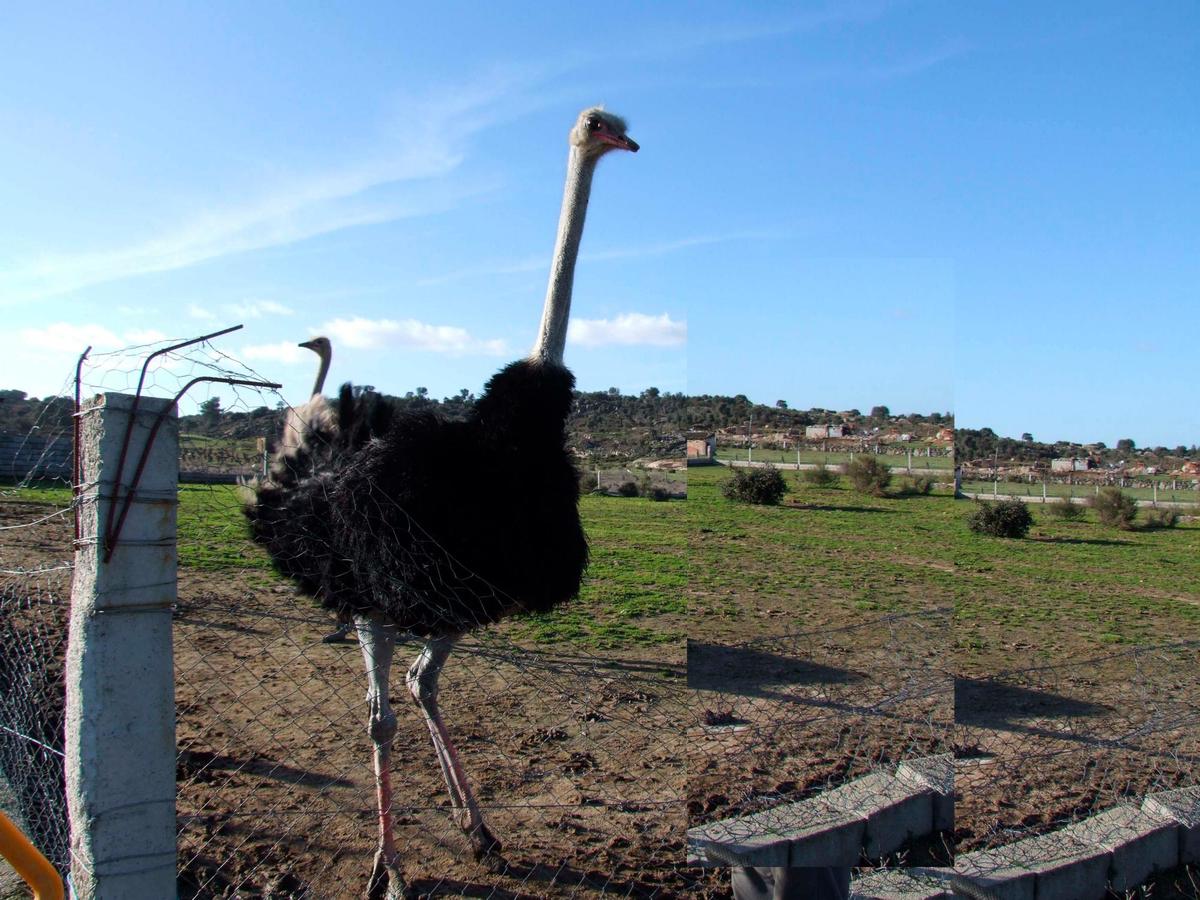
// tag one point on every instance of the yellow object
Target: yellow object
(34, 868)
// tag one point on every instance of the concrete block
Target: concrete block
(937, 774)
(992, 869)
(1141, 843)
(1181, 806)
(808, 833)
(1064, 867)
(901, 884)
(895, 810)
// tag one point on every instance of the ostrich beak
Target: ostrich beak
(621, 142)
(308, 345)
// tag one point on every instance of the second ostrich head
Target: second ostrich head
(323, 349)
(595, 133)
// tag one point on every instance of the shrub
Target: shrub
(765, 486)
(627, 489)
(1115, 508)
(1162, 518)
(821, 476)
(917, 486)
(1064, 509)
(1007, 518)
(660, 494)
(869, 476)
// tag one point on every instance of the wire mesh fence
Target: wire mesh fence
(791, 718)
(35, 585)
(593, 734)
(1050, 745)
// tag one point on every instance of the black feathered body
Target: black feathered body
(439, 525)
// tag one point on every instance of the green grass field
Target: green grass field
(920, 463)
(708, 566)
(634, 593)
(837, 559)
(1068, 588)
(1018, 489)
(1075, 586)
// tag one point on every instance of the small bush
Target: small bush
(1162, 518)
(821, 476)
(660, 494)
(765, 486)
(1064, 509)
(1007, 518)
(917, 486)
(869, 476)
(627, 489)
(1115, 508)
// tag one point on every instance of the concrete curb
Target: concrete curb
(876, 815)
(1120, 847)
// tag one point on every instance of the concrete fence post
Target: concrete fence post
(120, 680)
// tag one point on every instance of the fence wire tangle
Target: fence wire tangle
(35, 573)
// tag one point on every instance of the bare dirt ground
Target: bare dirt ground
(786, 718)
(577, 761)
(1043, 746)
(590, 764)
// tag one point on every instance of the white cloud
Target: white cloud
(67, 337)
(199, 312)
(628, 329)
(289, 352)
(257, 309)
(375, 334)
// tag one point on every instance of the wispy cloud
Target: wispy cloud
(72, 337)
(628, 329)
(199, 312)
(402, 173)
(257, 309)
(408, 334)
(288, 352)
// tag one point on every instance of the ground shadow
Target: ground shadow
(829, 507)
(1095, 542)
(197, 763)
(750, 672)
(995, 704)
(564, 877)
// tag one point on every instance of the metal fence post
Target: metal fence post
(120, 680)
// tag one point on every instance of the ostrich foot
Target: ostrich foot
(487, 848)
(386, 881)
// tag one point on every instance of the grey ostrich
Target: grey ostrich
(391, 532)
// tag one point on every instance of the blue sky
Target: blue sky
(981, 207)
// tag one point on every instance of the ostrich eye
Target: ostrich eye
(593, 123)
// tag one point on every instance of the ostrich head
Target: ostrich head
(323, 349)
(596, 132)
(319, 346)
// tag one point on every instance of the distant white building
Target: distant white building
(1071, 464)
(820, 432)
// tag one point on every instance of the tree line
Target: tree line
(594, 412)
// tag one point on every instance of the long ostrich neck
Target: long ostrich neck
(319, 386)
(552, 333)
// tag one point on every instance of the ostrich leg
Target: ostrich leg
(378, 642)
(422, 683)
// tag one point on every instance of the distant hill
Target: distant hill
(983, 444)
(603, 424)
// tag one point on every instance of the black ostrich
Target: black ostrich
(417, 524)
